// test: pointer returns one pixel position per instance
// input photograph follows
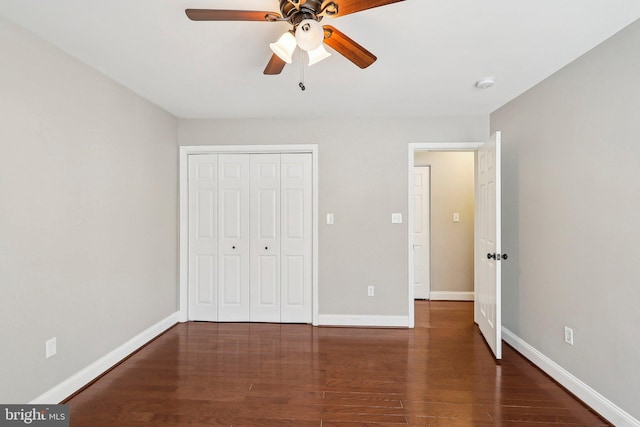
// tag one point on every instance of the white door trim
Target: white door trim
(187, 150)
(413, 148)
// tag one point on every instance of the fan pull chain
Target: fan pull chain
(301, 84)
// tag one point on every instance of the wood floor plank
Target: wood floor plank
(267, 375)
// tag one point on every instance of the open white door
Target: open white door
(488, 248)
(421, 188)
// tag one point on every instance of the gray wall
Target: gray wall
(362, 180)
(571, 203)
(88, 215)
(452, 190)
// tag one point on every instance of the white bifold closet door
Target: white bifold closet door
(250, 237)
(233, 274)
(203, 237)
(265, 238)
(295, 238)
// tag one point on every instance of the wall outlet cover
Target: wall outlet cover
(568, 335)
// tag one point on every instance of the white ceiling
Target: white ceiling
(430, 53)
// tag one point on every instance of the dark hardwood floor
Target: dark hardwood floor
(255, 375)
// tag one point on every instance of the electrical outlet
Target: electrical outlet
(568, 335)
(370, 291)
(50, 347)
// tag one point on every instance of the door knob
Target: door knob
(266, 247)
(233, 247)
(491, 256)
(497, 257)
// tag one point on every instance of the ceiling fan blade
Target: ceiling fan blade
(346, 7)
(348, 48)
(275, 65)
(230, 15)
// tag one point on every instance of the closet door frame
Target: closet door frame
(185, 152)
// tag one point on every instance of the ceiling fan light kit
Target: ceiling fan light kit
(304, 17)
(308, 36)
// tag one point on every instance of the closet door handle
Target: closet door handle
(266, 248)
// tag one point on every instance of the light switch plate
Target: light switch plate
(396, 218)
(329, 218)
(456, 217)
(50, 347)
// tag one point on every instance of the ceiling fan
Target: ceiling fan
(306, 33)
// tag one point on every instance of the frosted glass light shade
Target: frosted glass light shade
(284, 47)
(309, 35)
(317, 55)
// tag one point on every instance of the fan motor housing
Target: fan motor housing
(293, 14)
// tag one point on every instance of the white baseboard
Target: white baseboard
(603, 406)
(451, 296)
(74, 383)
(363, 320)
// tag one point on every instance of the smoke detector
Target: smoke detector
(485, 83)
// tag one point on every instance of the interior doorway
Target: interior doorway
(446, 227)
(451, 220)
